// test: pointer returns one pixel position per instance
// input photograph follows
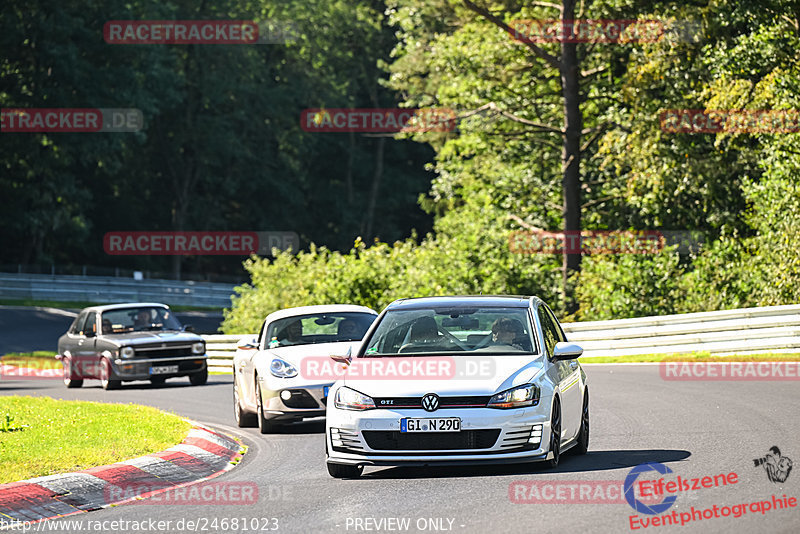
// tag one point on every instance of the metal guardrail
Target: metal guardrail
(108, 289)
(742, 331)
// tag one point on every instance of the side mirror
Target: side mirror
(248, 344)
(188, 328)
(345, 358)
(565, 350)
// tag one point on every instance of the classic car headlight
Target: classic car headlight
(350, 399)
(198, 348)
(127, 352)
(527, 395)
(282, 369)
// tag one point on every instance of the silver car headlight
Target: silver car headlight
(518, 397)
(198, 348)
(282, 369)
(350, 399)
(127, 352)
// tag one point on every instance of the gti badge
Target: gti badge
(430, 402)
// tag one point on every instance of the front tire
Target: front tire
(265, 426)
(243, 419)
(69, 381)
(344, 471)
(105, 376)
(199, 379)
(555, 435)
(583, 434)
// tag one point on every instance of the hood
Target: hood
(295, 353)
(486, 375)
(151, 337)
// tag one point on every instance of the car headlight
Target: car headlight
(527, 395)
(282, 369)
(127, 352)
(198, 348)
(350, 399)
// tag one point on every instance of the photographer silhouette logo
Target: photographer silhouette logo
(777, 467)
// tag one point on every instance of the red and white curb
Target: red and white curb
(203, 455)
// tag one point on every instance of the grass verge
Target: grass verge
(693, 357)
(43, 436)
(40, 359)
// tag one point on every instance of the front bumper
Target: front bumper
(139, 368)
(305, 401)
(488, 436)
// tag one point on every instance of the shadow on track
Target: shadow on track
(592, 461)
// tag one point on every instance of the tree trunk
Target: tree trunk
(571, 156)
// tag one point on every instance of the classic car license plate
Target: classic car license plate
(163, 369)
(442, 424)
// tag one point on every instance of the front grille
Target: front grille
(345, 441)
(524, 437)
(381, 440)
(157, 351)
(300, 399)
(444, 402)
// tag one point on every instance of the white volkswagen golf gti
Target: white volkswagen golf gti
(455, 381)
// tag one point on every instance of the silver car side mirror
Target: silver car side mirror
(564, 350)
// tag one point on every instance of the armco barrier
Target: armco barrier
(109, 289)
(742, 331)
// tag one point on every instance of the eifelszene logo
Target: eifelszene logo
(777, 467)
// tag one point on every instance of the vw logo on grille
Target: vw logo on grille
(430, 402)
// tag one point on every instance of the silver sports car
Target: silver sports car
(283, 375)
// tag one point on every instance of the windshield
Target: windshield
(137, 319)
(318, 328)
(452, 331)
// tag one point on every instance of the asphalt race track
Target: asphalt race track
(695, 428)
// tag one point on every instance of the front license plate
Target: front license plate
(163, 369)
(442, 424)
(325, 390)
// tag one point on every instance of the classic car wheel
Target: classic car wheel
(265, 426)
(243, 419)
(199, 379)
(105, 375)
(555, 435)
(69, 381)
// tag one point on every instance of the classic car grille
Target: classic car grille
(403, 441)
(157, 351)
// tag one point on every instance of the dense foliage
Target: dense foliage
(223, 149)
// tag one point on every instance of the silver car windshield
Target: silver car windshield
(318, 328)
(454, 331)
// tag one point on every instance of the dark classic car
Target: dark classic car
(138, 341)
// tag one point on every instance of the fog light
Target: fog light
(536, 435)
(286, 394)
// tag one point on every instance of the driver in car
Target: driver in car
(291, 333)
(507, 331)
(142, 320)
